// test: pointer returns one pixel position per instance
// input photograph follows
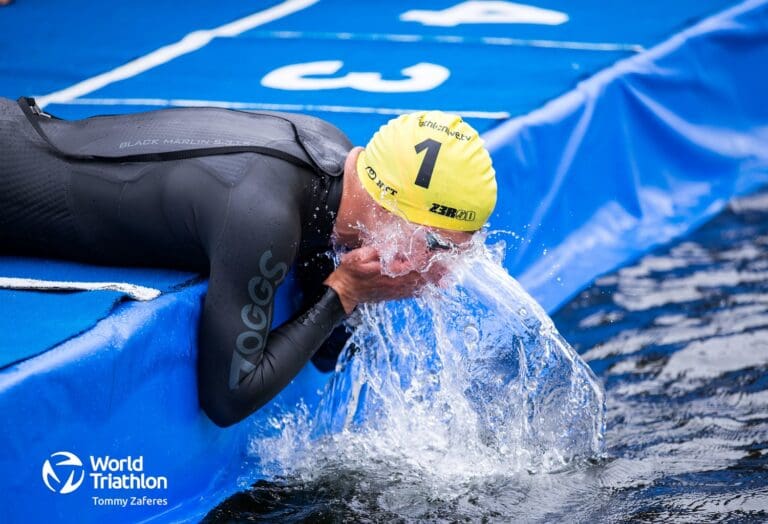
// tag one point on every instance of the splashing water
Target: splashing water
(466, 383)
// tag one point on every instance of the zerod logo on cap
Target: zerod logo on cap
(451, 212)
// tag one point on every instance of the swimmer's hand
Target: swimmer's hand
(359, 279)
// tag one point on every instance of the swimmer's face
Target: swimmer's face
(404, 246)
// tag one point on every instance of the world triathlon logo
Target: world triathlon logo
(69, 467)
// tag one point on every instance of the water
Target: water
(469, 380)
(680, 341)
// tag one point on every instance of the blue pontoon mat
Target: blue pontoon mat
(638, 144)
(34, 321)
(495, 70)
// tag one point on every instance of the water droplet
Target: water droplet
(471, 336)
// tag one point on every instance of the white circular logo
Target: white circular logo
(67, 467)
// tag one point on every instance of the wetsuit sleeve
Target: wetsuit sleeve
(311, 272)
(241, 364)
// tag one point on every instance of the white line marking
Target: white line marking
(132, 290)
(162, 102)
(448, 39)
(191, 42)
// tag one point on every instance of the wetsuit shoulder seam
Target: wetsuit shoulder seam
(220, 235)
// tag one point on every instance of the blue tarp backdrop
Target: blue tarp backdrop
(647, 147)
(636, 155)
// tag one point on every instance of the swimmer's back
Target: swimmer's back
(167, 213)
(34, 190)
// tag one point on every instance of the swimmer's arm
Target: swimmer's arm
(232, 385)
(241, 364)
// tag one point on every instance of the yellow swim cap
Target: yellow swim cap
(431, 168)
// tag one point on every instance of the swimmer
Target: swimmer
(244, 198)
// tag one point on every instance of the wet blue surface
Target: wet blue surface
(46, 47)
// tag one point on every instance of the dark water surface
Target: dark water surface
(680, 340)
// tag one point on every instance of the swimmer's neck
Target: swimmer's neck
(355, 208)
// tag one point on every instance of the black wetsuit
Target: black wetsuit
(238, 196)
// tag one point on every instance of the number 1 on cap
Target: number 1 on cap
(428, 164)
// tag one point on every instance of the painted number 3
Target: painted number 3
(428, 164)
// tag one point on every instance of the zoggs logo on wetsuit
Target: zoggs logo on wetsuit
(256, 316)
(63, 473)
